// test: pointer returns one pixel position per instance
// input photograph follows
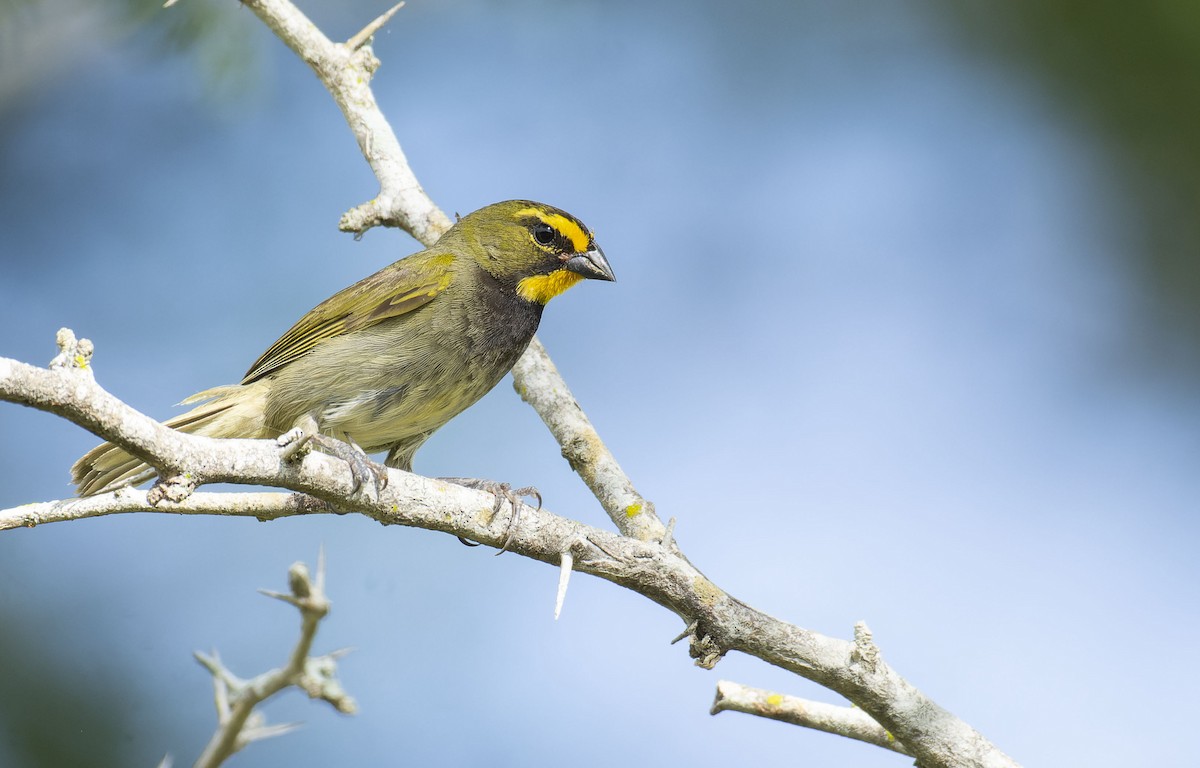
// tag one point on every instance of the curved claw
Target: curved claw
(531, 490)
(362, 467)
(503, 492)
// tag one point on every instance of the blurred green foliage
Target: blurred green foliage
(41, 39)
(62, 707)
(1131, 73)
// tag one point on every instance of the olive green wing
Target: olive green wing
(395, 290)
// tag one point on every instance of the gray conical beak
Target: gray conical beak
(592, 265)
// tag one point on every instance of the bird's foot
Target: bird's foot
(298, 441)
(503, 492)
(362, 468)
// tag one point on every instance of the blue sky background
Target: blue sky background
(884, 341)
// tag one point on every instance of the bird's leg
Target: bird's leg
(361, 466)
(503, 492)
(306, 434)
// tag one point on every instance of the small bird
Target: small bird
(386, 362)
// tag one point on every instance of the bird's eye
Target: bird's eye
(544, 234)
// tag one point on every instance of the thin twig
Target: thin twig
(850, 722)
(346, 73)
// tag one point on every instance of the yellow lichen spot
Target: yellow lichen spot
(542, 288)
(633, 509)
(579, 237)
(774, 699)
(708, 592)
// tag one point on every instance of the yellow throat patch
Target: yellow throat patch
(542, 288)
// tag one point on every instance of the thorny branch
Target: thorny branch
(638, 560)
(238, 722)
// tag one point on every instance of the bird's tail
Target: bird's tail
(230, 411)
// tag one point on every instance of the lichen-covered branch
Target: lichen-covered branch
(538, 382)
(261, 505)
(718, 623)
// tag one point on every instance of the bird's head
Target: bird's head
(541, 250)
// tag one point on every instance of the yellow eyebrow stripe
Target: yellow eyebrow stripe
(576, 234)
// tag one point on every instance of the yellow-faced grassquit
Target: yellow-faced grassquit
(386, 362)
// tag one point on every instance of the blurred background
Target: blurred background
(907, 330)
